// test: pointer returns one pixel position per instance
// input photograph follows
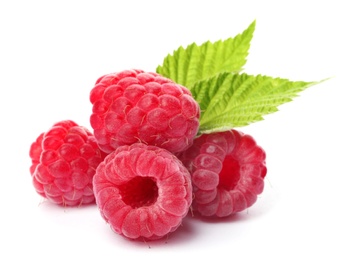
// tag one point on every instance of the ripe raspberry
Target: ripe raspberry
(227, 171)
(136, 106)
(142, 191)
(64, 160)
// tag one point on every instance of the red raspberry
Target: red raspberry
(64, 160)
(142, 191)
(136, 106)
(227, 171)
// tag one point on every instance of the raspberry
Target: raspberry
(227, 171)
(142, 191)
(64, 160)
(136, 106)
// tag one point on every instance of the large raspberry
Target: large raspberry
(142, 191)
(227, 170)
(136, 106)
(64, 160)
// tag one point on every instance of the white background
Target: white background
(51, 53)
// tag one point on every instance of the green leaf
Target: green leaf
(193, 63)
(230, 100)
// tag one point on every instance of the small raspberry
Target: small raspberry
(142, 191)
(227, 171)
(64, 160)
(136, 106)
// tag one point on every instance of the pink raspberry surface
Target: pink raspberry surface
(64, 160)
(227, 171)
(136, 106)
(142, 191)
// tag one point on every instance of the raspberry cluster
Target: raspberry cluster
(144, 164)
